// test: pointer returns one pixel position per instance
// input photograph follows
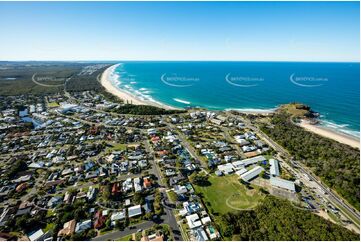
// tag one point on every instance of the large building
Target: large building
(274, 169)
(249, 175)
(282, 183)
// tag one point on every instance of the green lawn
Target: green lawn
(53, 105)
(227, 194)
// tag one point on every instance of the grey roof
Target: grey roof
(134, 211)
(282, 183)
(274, 169)
(249, 175)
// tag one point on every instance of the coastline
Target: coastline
(328, 133)
(106, 82)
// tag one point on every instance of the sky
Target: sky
(233, 31)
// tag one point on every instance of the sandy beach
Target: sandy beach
(127, 97)
(342, 138)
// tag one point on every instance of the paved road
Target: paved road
(332, 197)
(118, 234)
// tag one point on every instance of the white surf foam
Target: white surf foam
(181, 101)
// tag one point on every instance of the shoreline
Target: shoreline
(329, 133)
(106, 82)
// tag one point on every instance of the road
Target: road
(331, 197)
(119, 234)
(188, 147)
(168, 218)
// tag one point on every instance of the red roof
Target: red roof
(99, 220)
(147, 182)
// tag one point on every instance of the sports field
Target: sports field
(227, 194)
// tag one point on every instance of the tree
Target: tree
(200, 179)
(138, 198)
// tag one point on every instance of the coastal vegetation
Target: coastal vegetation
(16, 77)
(335, 163)
(144, 110)
(276, 219)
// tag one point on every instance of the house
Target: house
(200, 234)
(212, 232)
(99, 220)
(142, 163)
(128, 185)
(191, 207)
(36, 236)
(274, 169)
(153, 237)
(68, 228)
(117, 216)
(137, 186)
(68, 198)
(170, 172)
(249, 175)
(115, 189)
(147, 182)
(92, 193)
(54, 201)
(6, 214)
(23, 211)
(282, 183)
(193, 221)
(252, 154)
(82, 226)
(134, 211)
(180, 189)
(21, 187)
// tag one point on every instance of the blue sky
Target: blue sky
(254, 31)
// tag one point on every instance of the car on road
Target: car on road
(139, 230)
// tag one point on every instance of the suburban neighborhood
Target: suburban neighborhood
(73, 168)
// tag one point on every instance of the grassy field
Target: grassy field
(53, 105)
(227, 194)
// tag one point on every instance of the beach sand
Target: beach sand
(125, 96)
(342, 138)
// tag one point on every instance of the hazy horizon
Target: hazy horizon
(180, 31)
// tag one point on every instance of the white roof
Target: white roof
(225, 167)
(274, 169)
(118, 215)
(206, 220)
(193, 221)
(282, 183)
(134, 211)
(241, 171)
(238, 164)
(252, 173)
(36, 235)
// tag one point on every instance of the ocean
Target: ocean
(332, 89)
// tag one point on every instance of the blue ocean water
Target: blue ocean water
(332, 89)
